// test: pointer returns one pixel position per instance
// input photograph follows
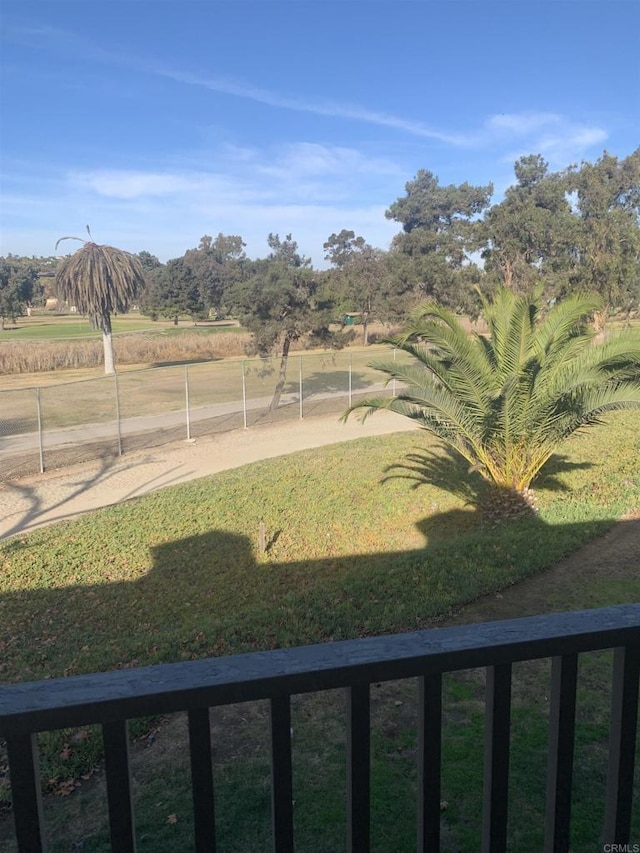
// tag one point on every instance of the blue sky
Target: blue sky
(157, 121)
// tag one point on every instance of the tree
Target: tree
(440, 232)
(18, 286)
(530, 236)
(607, 201)
(148, 262)
(280, 302)
(504, 403)
(99, 281)
(173, 290)
(217, 265)
(358, 278)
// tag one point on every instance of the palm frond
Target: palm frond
(99, 281)
(68, 238)
(505, 402)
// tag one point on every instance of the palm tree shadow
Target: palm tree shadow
(446, 469)
(548, 478)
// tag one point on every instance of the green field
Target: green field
(351, 552)
(70, 327)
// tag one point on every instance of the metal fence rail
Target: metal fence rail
(112, 698)
(55, 425)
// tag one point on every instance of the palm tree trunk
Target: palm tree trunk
(282, 377)
(501, 503)
(107, 345)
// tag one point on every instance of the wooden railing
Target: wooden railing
(112, 698)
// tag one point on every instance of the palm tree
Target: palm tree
(99, 281)
(506, 401)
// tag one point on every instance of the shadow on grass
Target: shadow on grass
(212, 594)
(200, 358)
(448, 470)
(331, 382)
(15, 426)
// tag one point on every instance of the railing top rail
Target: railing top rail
(166, 688)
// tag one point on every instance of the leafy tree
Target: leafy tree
(18, 287)
(148, 262)
(439, 234)
(99, 281)
(280, 303)
(359, 278)
(172, 290)
(607, 200)
(151, 267)
(505, 402)
(217, 265)
(530, 236)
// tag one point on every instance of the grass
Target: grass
(55, 328)
(52, 327)
(348, 556)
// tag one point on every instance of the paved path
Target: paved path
(46, 498)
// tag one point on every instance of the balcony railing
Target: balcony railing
(112, 698)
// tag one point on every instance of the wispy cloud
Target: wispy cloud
(291, 172)
(307, 189)
(124, 184)
(547, 132)
(331, 109)
(565, 134)
(557, 137)
(54, 38)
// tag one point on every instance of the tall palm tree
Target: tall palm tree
(99, 281)
(506, 401)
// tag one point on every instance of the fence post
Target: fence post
(244, 396)
(186, 395)
(350, 377)
(301, 409)
(40, 430)
(393, 381)
(117, 393)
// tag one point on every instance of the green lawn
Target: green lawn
(70, 327)
(350, 553)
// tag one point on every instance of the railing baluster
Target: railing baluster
(116, 764)
(353, 665)
(202, 781)
(281, 775)
(496, 758)
(26, 795)
(429, 762)
(622, 744)
(358, 769)
(562, 717)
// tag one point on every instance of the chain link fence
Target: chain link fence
(55, 426)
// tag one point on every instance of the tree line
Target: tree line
(577, 230)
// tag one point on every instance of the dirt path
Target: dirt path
(46, 498)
